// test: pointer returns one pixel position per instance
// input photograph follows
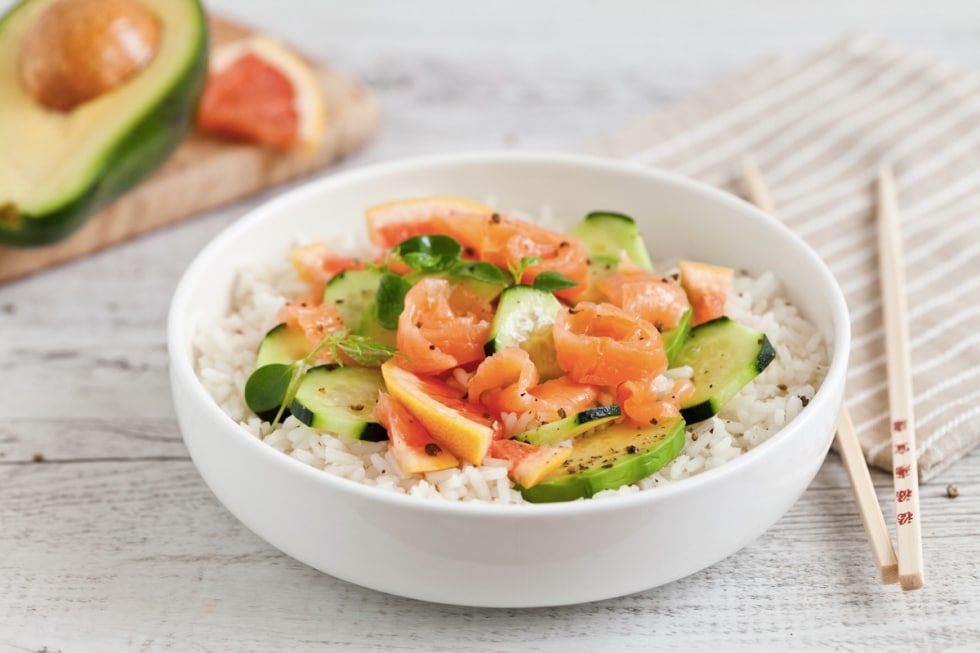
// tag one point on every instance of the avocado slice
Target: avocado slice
(618, 455)
(60, 167)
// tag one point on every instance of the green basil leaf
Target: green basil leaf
(391, 299)
(267, 387)
(552, 281)
(518, 270)
(429, 253)
(481, 271)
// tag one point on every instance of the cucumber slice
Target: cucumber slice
(371, 327)
(525, 317)
(725, 356)
(484, 289)
(600, 267)
(352, 292)
(282, 345)
(607, 234)
(340, 400)
(618, 455)
(570, 426)
(674, 338)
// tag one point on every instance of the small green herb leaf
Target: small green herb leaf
(429, 253)
(273, 387)
(522, 265)
(361, 349)
(481, 271)
(552, 281)
(391, 299)
(267, 387)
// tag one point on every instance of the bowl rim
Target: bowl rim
(179, 339)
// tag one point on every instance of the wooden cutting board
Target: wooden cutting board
(204, 173)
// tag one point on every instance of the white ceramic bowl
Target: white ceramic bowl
(499, 555)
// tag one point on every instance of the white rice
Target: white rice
(225, 356)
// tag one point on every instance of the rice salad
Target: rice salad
(225, 358)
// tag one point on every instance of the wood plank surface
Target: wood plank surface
(128, 552)
(207, 172)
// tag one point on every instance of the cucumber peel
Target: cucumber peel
(570, 426)
(605, 233)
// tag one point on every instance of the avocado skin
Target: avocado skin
(135, 154)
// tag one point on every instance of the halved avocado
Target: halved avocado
(57, 168)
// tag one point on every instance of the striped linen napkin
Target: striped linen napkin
(819, 127)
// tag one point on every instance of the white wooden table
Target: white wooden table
(113, 542)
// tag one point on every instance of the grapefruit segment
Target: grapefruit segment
(260, 90)
(456, 425)
(707, 287)
(392, 222)
(317, 263)
(414, 449)
(529, 464)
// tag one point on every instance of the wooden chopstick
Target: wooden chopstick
(756, 187)
(848, 445)
(908, 530)
(849, 448)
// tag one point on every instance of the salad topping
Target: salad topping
(498, 337)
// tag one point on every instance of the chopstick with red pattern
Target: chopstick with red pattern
(908, 529)
(848, 445)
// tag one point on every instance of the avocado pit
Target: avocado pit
(78, 50)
